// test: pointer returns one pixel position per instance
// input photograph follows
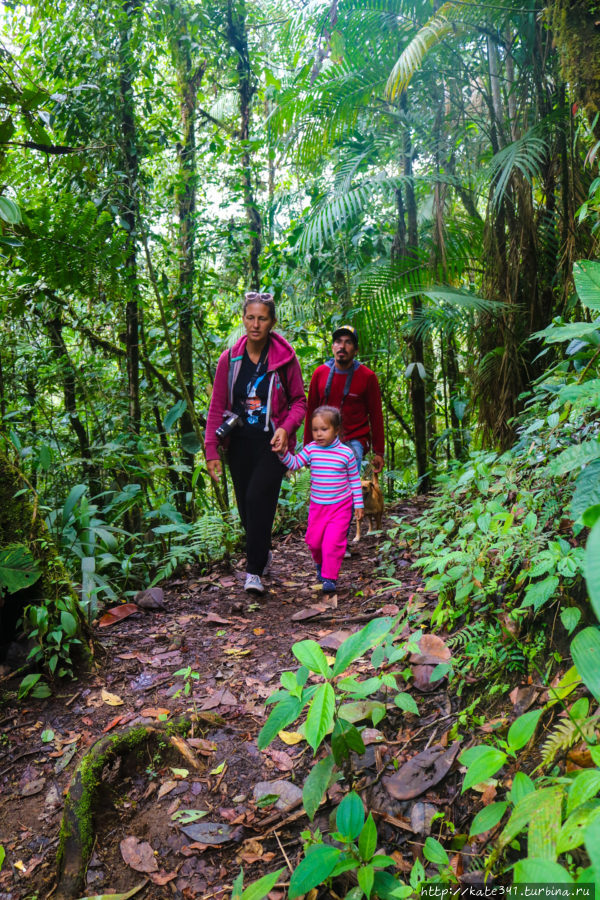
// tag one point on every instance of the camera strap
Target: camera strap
(348, 382)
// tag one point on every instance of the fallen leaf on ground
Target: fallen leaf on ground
(334, 639)
(308, 613)
(290, 737)
(163, 877)
(166, 788)
(216, 619)
(288, 793)
(200, 745)
(112, 724)
(522, 697)
(65, 759)
(423, 771)
(433, 651)
(111, 699)
(422, 679)
(151, 599)
(282, 760)
(208, 832)
(223, 697)
(116, 614)
(33, 787)
(155, 712)
(138, 855)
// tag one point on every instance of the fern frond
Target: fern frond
(567, 733)
(525, 155)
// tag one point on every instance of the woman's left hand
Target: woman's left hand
(279, 441)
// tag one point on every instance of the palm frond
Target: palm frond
(525, 155)
(412, 56)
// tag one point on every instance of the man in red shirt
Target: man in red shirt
(345, 383)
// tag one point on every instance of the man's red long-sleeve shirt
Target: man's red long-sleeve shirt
(362, 418)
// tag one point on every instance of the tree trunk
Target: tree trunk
(577, 36)
(129, 212)
(188, 82)
(237, 36)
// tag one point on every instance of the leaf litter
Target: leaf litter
(193, 830)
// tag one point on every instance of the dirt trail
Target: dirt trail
(236, 648)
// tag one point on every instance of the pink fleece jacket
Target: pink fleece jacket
(284, 409)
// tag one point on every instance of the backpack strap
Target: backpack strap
(329, 382)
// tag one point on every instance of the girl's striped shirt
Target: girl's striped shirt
(333, 472)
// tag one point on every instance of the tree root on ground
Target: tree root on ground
(77, 827)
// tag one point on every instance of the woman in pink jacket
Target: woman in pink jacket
(257, 405)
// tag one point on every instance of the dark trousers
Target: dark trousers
(257, 473)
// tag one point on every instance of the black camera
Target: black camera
(230, 421)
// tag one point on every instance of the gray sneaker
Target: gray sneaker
(269, 562)
(254, 585)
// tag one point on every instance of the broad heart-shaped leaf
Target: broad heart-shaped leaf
(367, 841)
(282, 714)
(592, 568)
(316, 784)
(406, 702)
(573, 457)
(585, 651)
(345, 738)
(540, 592)
(586, 785)
(358, 644)
(522, 729)
(487, 818)
(317, 865)
(486, 765)
(18, 568)
(320, 715)
(434, 852)
(540, 871)
(587, 488)
(259, 889)
(311, 655)
(350, 816)
(586, 275)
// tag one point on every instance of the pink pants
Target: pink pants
(327, 533)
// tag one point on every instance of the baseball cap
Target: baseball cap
(350, 330)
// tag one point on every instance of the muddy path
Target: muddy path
(230, 650)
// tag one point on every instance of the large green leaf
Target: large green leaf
(585, 650)
(592, 842)
(282, 714)
(540, 592)
(317, 865)
(367, 841)
(486, 765)
(587, 489)
(544, 828)
(524, 812)
(586, 275)
(350, 816)
(592, 568)
(358, 644)
(320, 715)
(574, 457)
(259, 889)
(9, 211)
(316, 784)
(522, 729)
(311, 655)
(586, 785)
(18, 568)
(572, 833)
(75, 494)
(540, 871)
(487, 818)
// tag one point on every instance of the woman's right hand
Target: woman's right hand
(215, 469)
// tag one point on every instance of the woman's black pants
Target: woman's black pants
(257, 473)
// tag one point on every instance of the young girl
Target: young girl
(334, 490)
